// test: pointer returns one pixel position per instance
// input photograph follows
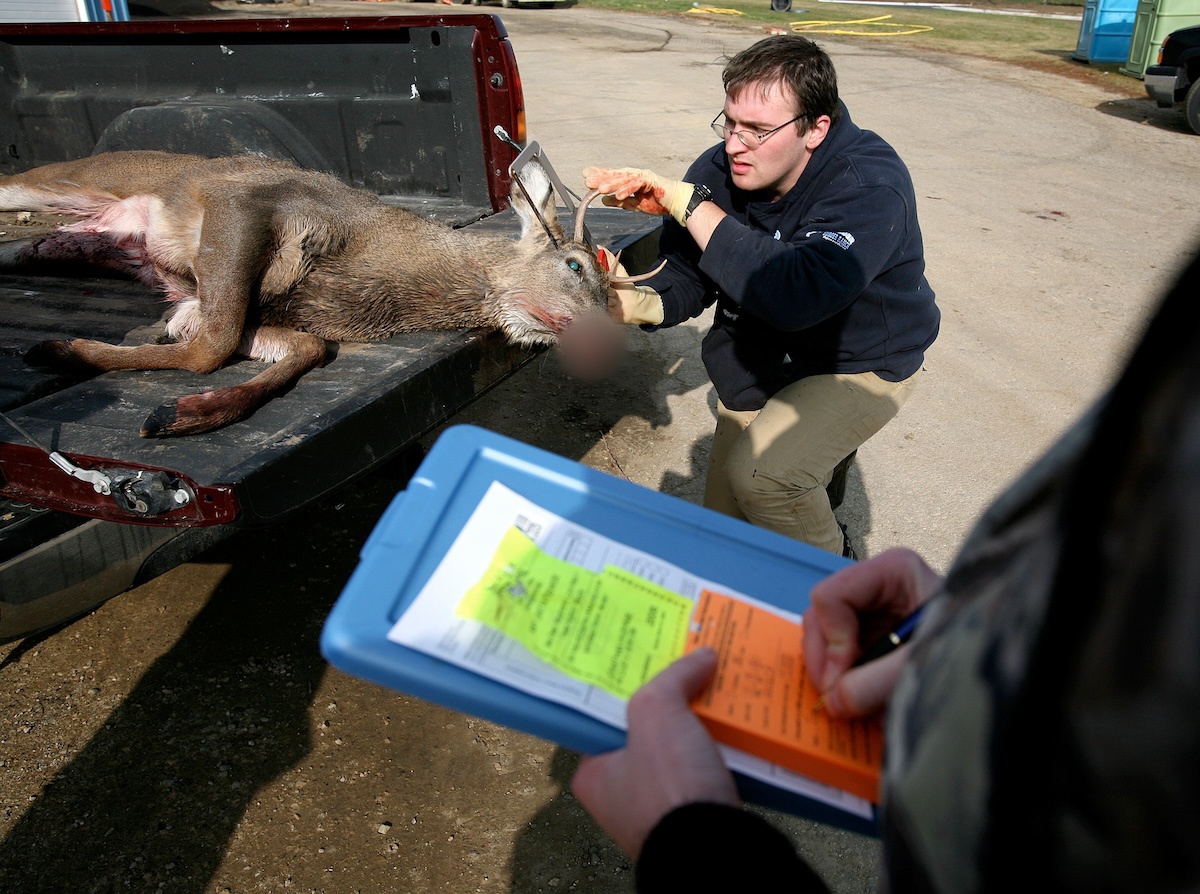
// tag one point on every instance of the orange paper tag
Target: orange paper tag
(762, 702)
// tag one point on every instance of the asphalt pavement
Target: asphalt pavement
(1054, 214)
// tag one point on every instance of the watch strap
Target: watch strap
(700, 193)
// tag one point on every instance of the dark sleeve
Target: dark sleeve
(714, 847)
(792, 285)
(683, 290)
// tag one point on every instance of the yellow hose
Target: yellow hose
(877, 22)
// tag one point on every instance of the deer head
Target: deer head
(572, 283)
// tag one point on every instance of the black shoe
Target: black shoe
(837, 481)
(847, 547)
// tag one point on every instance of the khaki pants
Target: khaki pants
(770, 466)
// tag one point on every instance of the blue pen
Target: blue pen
(899, 635)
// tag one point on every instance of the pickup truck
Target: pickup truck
(405, 106)
(1175, 79)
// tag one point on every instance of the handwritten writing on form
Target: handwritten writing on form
(762, 701)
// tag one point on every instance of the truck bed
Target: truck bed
(405, 107)
(369, 404)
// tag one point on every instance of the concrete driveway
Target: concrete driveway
(186, 737)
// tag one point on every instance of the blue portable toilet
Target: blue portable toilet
(1106, 31)
(30, 11)
(112, 11)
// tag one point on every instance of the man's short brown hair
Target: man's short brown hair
(796, 63)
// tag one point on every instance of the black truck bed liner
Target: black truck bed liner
(385, 104)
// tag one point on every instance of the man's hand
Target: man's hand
(668, 760)
(849, 611)
(636, 189)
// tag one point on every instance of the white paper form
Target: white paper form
(430, 624)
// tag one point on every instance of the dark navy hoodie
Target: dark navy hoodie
(829, 279)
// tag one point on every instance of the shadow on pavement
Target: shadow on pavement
(157, 793)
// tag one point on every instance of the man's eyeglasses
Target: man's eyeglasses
(748, 138)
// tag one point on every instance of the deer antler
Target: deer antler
(613, 278)
(588, 198)
(579, 212)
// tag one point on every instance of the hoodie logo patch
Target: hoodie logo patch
(841, 240)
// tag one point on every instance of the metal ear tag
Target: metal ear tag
(528, 155)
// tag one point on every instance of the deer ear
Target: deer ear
(536, 223)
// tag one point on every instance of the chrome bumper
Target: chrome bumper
(1162, 83)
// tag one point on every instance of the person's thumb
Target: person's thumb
(865, 690)
(686, 677)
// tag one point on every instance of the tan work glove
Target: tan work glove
(636, 189)
(629, 302)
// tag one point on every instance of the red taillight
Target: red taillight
(502, 102)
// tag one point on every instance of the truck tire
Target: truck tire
(1191, 106)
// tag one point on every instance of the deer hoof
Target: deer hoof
(55, 354)
(160, 423)
(192, 414)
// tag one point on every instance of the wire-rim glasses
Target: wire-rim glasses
(748, 138)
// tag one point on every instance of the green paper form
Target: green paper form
(610, 629)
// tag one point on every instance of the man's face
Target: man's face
(776, 164)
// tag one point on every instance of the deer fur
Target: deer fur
(270, 261)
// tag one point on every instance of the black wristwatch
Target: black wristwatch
(700, 193)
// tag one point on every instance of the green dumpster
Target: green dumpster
(1154, 20)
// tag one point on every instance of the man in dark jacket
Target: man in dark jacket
(803, 230)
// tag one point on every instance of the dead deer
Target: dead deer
(269, 261)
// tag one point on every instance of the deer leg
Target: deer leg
(233, 246)
(206, 351)
(295, 353)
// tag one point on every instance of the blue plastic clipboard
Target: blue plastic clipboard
(422, 522)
